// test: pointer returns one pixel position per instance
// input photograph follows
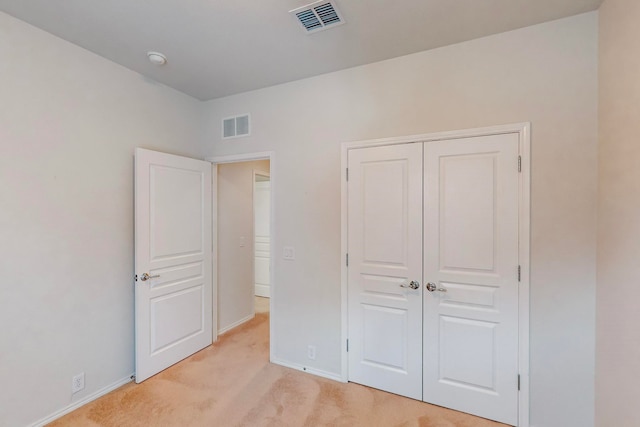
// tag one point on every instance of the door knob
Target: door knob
(412, 285)
(146, 277)
(431, 287)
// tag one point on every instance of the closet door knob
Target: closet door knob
(412, 285)
(431, 287)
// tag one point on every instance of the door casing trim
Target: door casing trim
(524, 219)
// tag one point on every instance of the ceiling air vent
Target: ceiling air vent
(318, 16)
(234, 127)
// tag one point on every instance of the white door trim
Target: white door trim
(524, 202)
(264, 155)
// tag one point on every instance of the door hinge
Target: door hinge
(347, 174)
(519, 163)
(519, 273)
(347, 260)
(518, 382)
(347, 346)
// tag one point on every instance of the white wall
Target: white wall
(69, 122)
(235, 241)
(546, 74)
(618, 333)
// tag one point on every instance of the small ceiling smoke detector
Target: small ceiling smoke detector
(157, 58)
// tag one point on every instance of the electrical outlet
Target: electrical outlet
(311, 352)
(77, 383)
(289, 253)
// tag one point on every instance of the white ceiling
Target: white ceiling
(222, 47)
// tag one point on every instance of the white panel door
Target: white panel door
(262, 237)
(471, 259)
(173, 291)
(385, 256)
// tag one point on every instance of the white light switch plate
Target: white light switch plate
(289, 253)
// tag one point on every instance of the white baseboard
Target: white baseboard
(263, 291)
(318, 372)
(234, 324)
(75, 405)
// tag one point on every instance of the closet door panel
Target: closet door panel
(385, 257)
(471, 264)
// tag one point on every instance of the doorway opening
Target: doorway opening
(243, 239)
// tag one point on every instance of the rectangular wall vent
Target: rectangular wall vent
(318, 16)
(234, 127)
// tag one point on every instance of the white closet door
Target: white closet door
(385, 256)
(471, 259)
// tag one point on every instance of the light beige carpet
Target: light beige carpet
(232, 383)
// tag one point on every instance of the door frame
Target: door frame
(237, 158)
(524, 214)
